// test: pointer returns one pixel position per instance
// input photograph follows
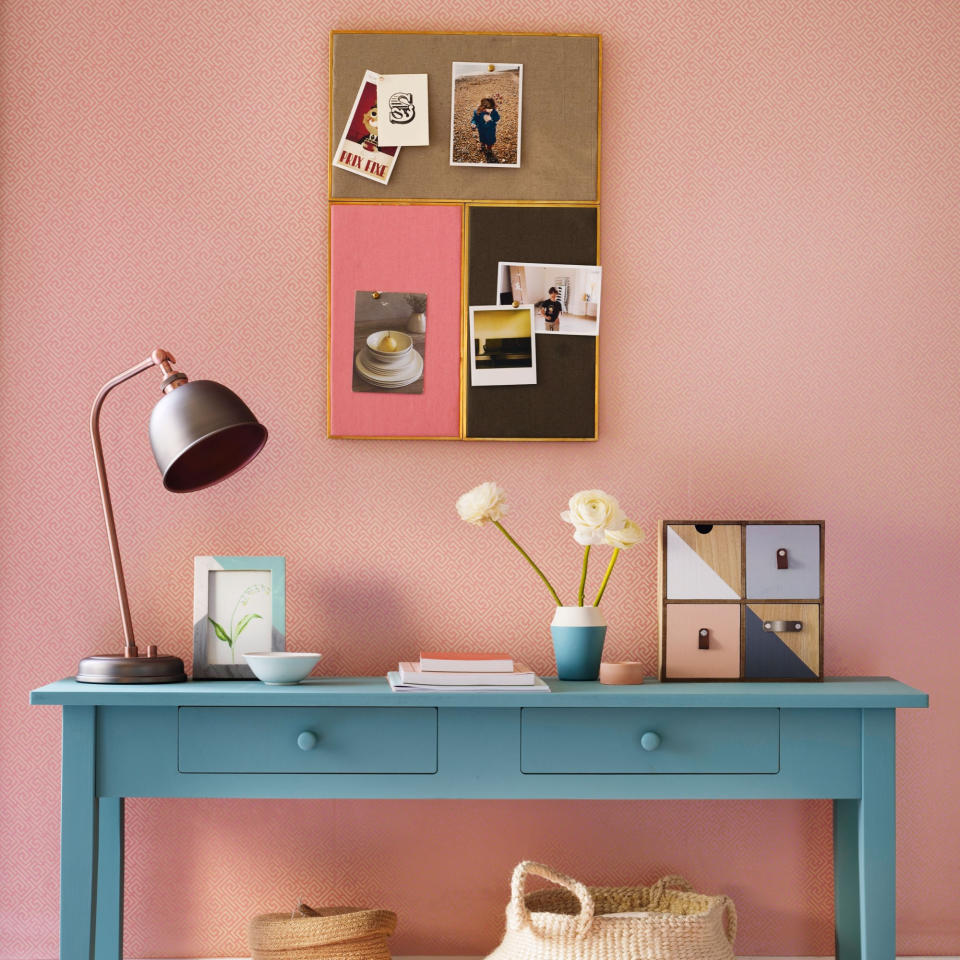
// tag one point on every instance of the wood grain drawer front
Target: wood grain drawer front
(649, 740)
(307, 740)
(797, 577)
(690, 656)
(774, 648)
(703, 561)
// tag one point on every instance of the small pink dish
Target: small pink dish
(626, 672)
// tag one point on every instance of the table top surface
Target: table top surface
(833, 692)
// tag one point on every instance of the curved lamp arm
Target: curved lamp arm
(172, 379)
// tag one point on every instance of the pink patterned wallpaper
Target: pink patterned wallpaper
(782, 339)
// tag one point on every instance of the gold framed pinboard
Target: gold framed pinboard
(494, 207)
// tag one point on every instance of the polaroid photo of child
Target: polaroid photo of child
(359, 150)
(503, 349)
(565, 297)
(485, 116)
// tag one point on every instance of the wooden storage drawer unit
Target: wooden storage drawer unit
(649, 740)
(307, 740)
(764, 580)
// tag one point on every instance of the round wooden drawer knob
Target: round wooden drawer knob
(307, 740)
(650, 740)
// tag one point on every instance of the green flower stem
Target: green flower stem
(606, 576)
(233, 638)
(583, 576)
(526, 556)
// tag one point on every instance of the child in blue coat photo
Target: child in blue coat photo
(484, 122)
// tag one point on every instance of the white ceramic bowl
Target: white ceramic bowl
(281, 667)
(404, 345)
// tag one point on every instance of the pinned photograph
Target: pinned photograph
(565, 297)
(389, 342)
(404, 118)
(503, 349)
(360, 150)
(485, 116)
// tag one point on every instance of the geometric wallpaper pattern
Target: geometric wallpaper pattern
(781, 339)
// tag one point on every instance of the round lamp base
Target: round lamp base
(116, 668)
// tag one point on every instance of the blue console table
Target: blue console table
(352, 737)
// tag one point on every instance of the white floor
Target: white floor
(569, 324)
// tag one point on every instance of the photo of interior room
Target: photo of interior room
(577, 291)
(502, 346)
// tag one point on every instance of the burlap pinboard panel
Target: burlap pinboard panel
(559, 123)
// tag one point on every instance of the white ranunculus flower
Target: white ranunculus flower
(592, 512)
(626, 537)
(482, 504)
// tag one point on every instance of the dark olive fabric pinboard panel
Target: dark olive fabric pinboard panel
(562, 403)
(559, 116)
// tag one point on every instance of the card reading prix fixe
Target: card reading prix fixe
(402, 99)
(360, 150)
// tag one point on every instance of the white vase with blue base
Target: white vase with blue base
(578, 635)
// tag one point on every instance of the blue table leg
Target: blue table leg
(864, 834)
(78, 834)
(109, 928)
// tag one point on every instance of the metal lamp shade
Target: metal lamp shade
(201, 432)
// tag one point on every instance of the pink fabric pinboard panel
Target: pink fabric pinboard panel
(403, 248)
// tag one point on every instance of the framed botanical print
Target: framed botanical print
(239, 606)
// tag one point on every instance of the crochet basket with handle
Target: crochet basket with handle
(671, 923)
(328, 933)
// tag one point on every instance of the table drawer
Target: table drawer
(307, 740)
(654, 740)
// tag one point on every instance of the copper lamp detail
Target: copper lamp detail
(200, 432)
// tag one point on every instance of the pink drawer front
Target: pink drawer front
(691, 656)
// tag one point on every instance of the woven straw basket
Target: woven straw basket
(331, 933)
(569, 924)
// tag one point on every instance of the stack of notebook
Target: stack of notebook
(476, 672)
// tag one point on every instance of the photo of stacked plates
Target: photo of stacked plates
(388, 360)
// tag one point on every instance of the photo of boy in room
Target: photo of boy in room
(565, 297)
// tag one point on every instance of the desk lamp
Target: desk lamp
(200, 432)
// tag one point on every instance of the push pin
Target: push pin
(375, 294)
(491, 67)
(704, 638)
(516, 303)
(782, 559)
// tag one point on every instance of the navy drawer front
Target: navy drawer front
(307, 740)
(625, 740)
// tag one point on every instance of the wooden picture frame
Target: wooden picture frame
(563, 405)
(239, 603)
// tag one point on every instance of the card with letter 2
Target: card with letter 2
(359, 150)
(404, 120)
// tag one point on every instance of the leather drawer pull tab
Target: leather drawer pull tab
(704, 638)
(783, 626)
(782, 560)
